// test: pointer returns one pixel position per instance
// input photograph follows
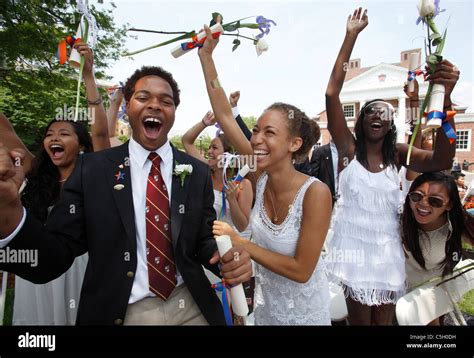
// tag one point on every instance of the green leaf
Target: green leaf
(432, 59)
(439, 50)
(236, 43)
(435, 38)
(232, 26)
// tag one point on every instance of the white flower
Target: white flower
(261, 46)
(426, 8)
(182, 170)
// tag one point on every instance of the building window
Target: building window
(349, 110)
(405, 56)
(463, 143)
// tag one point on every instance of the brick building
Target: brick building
(386, 81)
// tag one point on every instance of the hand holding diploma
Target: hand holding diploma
(236, 268)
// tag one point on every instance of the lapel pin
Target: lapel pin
(119, 186)
(121, 166)
(120, 175)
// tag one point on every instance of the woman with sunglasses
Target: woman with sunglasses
(366, 219)
(433, 223)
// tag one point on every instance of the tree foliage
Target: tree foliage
(33, 86)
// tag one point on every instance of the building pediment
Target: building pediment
(381, 76)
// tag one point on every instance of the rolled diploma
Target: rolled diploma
(178, 51)
(414, 63)
(237, 295)
(241, 174)
(75, 57)
(436, 104)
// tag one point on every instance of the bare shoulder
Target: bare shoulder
(317, 195)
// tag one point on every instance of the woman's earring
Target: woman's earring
(81, 152)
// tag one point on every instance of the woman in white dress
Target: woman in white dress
(56, 302)
(238, 200)
(434, 223)
(366, 255)
(291, 215)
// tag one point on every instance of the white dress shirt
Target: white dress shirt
(140, 167)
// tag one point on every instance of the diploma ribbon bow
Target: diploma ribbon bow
(197, 43)
(445, 117)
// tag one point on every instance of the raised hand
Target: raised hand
(231, 192)
(210, 43)
(86, 51)
(446, 74)
(357, 21)
(234, 98)
(209, 119)
(413, 96)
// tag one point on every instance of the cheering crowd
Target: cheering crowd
(124, 238)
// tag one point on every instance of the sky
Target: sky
(303, 48)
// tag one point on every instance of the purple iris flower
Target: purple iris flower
(263, 26)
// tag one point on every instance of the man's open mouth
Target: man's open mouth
(152, 126)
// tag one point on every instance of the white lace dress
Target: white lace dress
(279, 300)
(365, 253)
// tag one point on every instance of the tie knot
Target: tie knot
(155, 158)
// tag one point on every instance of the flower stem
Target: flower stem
(237, 35)
(187, 35)
(158, 32)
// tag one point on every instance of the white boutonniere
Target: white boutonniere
(182, 170)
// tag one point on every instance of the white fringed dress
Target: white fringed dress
(365, 254)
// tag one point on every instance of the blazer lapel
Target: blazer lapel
(119, 179)
(178, 196)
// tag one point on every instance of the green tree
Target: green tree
(34, 88)
(250, 122)
(176, 141)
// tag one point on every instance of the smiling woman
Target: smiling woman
(366, 215)
(433, 225)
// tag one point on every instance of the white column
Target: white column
(361, 103)
(400, 121)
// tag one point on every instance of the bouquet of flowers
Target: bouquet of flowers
(229, 29)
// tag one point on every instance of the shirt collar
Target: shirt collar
(140, 154)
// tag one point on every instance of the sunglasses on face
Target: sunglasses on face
(435, 202)
(383, 111)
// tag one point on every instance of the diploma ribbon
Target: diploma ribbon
(223, 287)
(445, 117)
(413, 74)
(197, 43)
(62, 50)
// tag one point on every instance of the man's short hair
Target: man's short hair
(151, 71)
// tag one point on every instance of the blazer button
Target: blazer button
(118, 322)
(130, 274)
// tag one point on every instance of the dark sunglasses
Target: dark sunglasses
(384, 112)
(416, 196)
